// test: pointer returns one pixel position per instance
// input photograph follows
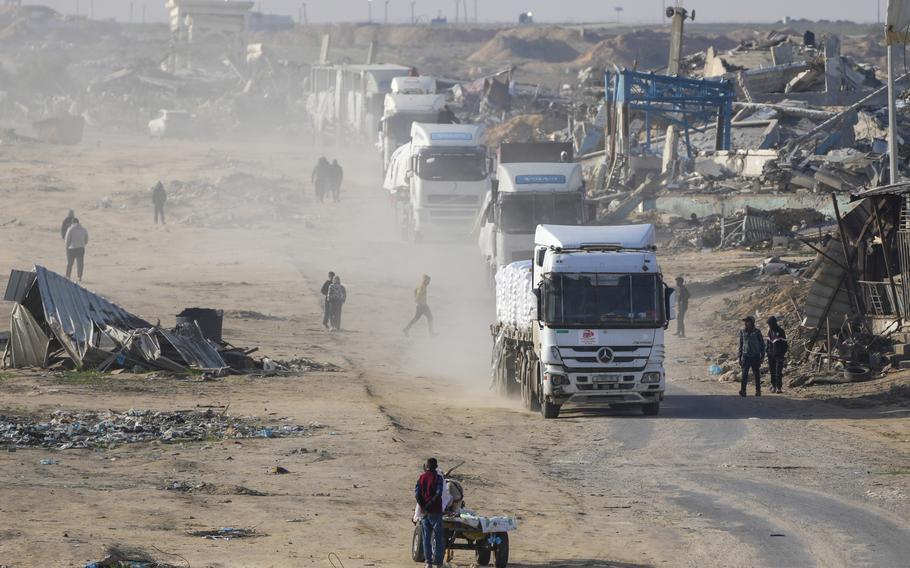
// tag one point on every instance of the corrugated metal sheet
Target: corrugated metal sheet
(195, 349)
(18, 286)
(827, 283)
(28, 343)
(77, 316)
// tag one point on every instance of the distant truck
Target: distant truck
(536, 183)
(413, 99)
(583, 321)
(439, 179)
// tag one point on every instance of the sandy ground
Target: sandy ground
(715, 480)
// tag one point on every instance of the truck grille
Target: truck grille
(626, 358)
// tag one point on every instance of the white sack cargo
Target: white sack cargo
(516, 305)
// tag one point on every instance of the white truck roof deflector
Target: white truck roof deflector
(575, 237)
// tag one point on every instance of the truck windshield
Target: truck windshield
(520, 214)
(624, 300)
(456, 164)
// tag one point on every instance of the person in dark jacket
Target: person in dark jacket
(337, 296)
(326, 316)
(320, 178)
(335, 179)
(751, 354)
(67, 221)
(682, 306)
(777, 354)
(159, 198)
(428, 493)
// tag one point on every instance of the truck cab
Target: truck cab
(413, 99)
(602, 310)
(439, 179)
(524, 196)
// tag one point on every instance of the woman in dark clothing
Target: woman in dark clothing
(777, 354)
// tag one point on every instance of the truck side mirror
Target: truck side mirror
(541, 253)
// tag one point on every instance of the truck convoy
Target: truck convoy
(413, 99)
(439, 179)
(583, 321)
(536, 183)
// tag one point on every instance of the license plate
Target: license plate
(606, 378)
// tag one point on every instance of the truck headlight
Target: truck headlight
(558, 380)
(650, 378)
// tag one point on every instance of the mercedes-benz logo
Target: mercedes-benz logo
(605, 355)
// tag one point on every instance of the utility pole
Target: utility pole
(413, 18)
(91, 9)
(457, 9)
(386, 12)
(619, 10)
(895, 33)
(369, 11)
(678, 16)
(131, 12)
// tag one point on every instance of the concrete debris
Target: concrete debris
(73, 429)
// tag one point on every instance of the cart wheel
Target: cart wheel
(417, 545)
(502, 550)
(483, 557)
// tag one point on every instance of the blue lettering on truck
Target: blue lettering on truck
(451, 136)
(540, 180)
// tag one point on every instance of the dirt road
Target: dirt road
(715, 480)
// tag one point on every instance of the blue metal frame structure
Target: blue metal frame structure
(691, 104)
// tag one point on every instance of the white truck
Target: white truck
(583, 321)
(524, 195)
(438, 180)
(413, 99)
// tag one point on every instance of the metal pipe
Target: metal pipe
(892, 118)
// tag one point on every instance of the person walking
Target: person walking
(337, 296)
(428, 493)
(335, 179)
(777, 354)
(326, 314)
(159, 197)
(320, 177)
(76, 239)
(682, 306)
(751, 354)
(67, 221)
(423, 309)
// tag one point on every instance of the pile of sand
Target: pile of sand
(523, 128)
(549, 44)
(648, 49)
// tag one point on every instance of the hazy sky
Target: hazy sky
(507, 10)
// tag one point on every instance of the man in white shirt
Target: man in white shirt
(76, 239)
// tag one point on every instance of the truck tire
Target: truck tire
(528, 379)
(650, 409)
(549, 410)
(417, 554)
(502, 550)
(483, 557)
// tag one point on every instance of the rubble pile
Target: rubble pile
(72, 429)
(548, 44)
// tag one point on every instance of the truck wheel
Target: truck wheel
(650, 409)
(483, 557)
(502, 550)
(527, 392)
(549, 409)
(417, 554)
